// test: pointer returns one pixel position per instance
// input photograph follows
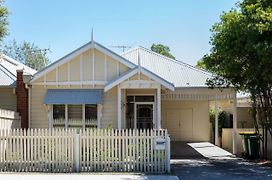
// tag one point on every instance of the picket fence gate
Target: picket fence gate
(85, 150)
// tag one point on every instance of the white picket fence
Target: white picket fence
(89, 150)
(9, 119)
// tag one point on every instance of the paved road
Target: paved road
(216, 163)
(219, 169)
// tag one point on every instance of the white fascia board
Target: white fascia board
(120, 79)
(113, 55)
(79, 51)
(158, 79)
(62, 61)
(143, 71)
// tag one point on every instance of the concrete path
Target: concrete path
(42, 176)
(211, 151)
(217, 163)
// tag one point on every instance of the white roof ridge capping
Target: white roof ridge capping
(78, 51)
(134, 71)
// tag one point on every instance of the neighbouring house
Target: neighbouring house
(245, 119)
(8, 76)
(13, 91)
(95, 87)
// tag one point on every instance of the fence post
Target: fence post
(77, 152)
(168, 154)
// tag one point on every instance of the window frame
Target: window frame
(83, 109)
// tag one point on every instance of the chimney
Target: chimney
(22, 98)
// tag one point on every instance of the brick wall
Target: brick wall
(22, 99)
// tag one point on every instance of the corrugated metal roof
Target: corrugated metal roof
(8, 68)
(73, 96)
(174, 71)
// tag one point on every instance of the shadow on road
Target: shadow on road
(206, 161)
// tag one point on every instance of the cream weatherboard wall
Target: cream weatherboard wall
(38, 115)
(78, 70)
(8, 99)
(188, 120)
(81, 68)
(39, 118)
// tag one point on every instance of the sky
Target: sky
(64, 25)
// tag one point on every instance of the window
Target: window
(59, 111)
(75, 116)
(144, 98)
(131, 99)
(90, 115)
(58, 115)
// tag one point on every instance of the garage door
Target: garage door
(180, 124)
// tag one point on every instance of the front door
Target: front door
(144, 115)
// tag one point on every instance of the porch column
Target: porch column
(159, 107)
(119, 110)
(234, 130)
(216, 121)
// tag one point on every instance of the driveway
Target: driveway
(213, 162)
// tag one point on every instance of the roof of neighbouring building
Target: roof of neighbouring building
(8, 68)
(174, 71)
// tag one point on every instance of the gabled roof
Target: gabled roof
(174, 71)
(134, 71)
(78, 51)
(8, 68)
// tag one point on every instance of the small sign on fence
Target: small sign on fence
(160, 143)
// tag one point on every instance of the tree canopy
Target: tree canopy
(162, 49)
(241, 55)
(201, 64)
(27, 53)
(242, 45)
(3, 20)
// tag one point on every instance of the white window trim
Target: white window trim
(49, 109)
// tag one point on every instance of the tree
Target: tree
(27, 53)
(241, 56)
(3, 20)
(201, 64)
(162, 49)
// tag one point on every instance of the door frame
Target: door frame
(135, 112)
